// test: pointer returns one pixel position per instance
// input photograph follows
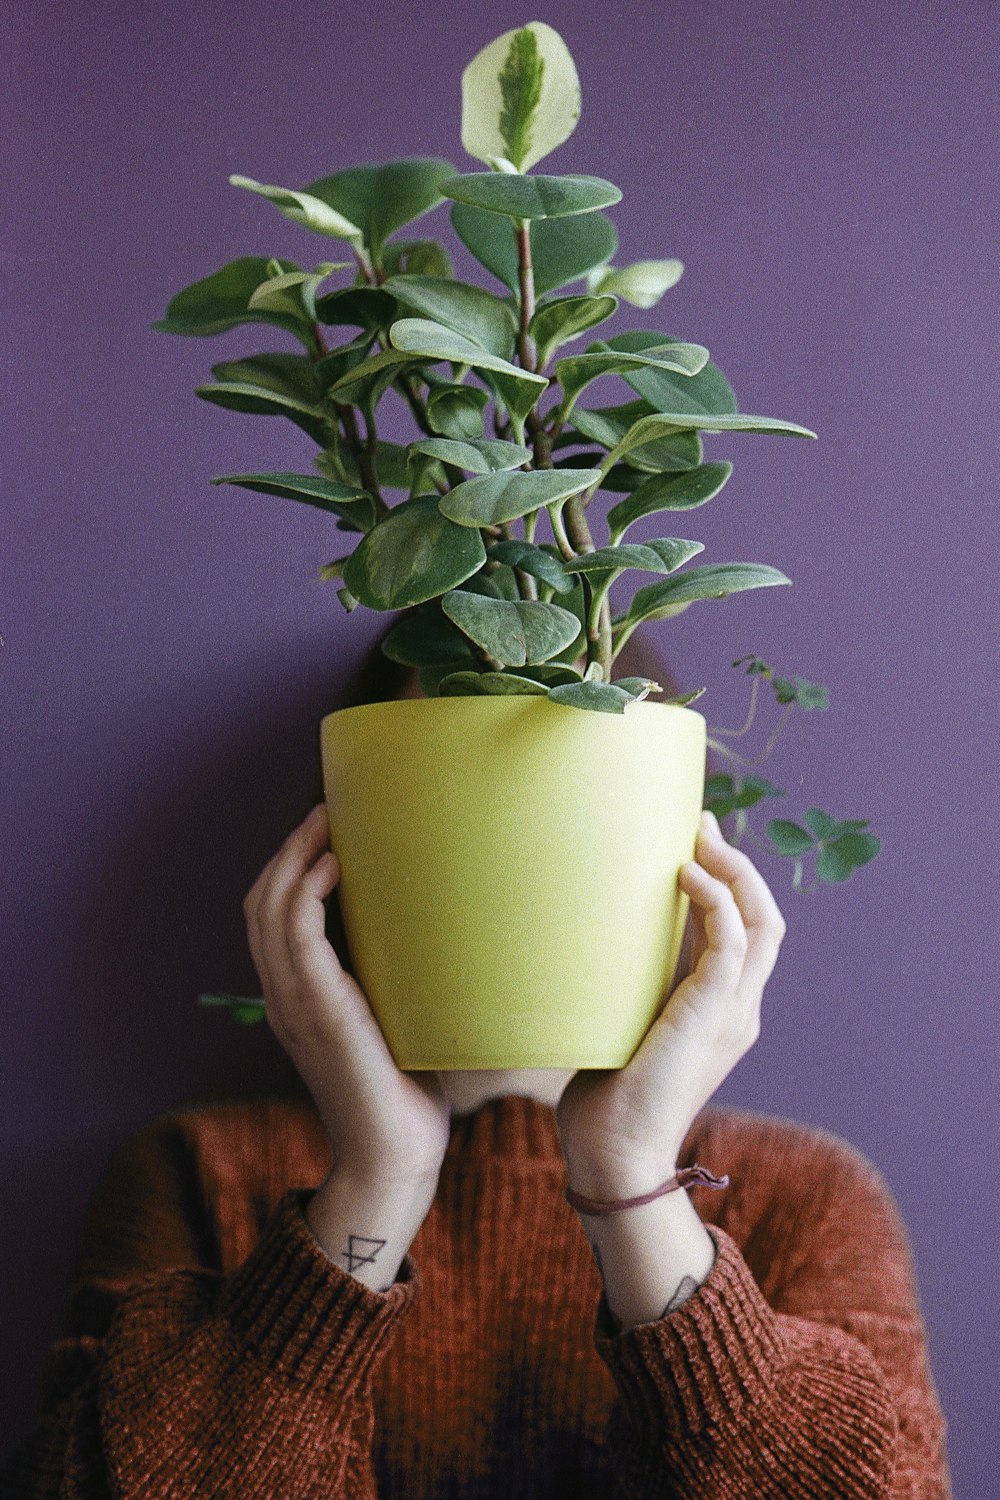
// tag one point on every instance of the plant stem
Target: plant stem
(757, 760)
(599, 643)
(375, 276)
(558, 531)
(726, 753)
(754, 694)
(364, 455)
(362, 452)
(365, 266)
(575, 538)
(526, 275)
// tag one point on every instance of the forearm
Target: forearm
(651, 1258)
(366, 1227)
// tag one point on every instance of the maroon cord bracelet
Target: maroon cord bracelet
(686, 1177)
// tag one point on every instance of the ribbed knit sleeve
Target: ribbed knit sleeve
(186, 1382)
(731, 1396)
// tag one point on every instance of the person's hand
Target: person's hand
(620, 1129)
(383, 1125)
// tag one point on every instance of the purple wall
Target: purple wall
(168, 647)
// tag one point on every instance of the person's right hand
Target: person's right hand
(383, 1125)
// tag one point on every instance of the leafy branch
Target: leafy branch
(839, 847)
(446, 528)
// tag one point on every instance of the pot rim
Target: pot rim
(491, 699)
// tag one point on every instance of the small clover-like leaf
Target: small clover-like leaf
(807, 695)
(838, 860)
(788, 838)
(724, 795)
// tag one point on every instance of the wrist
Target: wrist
(611, 1181)
(651, 1259)
(366, 1224)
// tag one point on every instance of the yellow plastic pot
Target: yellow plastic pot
(509, 872)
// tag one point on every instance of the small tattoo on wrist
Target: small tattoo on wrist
(361, 1250)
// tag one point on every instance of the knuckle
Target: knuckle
(737, 939)
(300, 931)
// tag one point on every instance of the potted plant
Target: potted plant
(510, 842)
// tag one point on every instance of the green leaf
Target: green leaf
(600, 697)
(755, 667)
(641, 687)
(293, 292)
(576, 602)
(807, 695)
(429, 677)
(426, 638)
(577, 371)
(456, 411)
(551, 673)
(723, 796)
(520, 97)
(482, 456)
(642, 284)
(529, 558)
(788, 838)
(661, 555)
(668, 492)
(822, 825)
(657, 426)
(282, 374)
(337, 362)
(713, 581)
(489, 684)
(221, 301)
(412, 554)
(418, 337)
(416, 258)
(468, 310)
(365, 384)
(536, 197)
(836, 862)
(390, 464)
(381, 199)
(708, 391)
(364, 306)
(311, 489)
(515, 632)
(609, 424)
(565, 318)
(260, 402)
(497, 585)
(562, 250)
(491, 499)
(303, 208)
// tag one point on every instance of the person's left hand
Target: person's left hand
(620, 1129)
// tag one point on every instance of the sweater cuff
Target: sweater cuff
(306, 1317)
(702, 1364)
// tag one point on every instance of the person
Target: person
(478, 1284)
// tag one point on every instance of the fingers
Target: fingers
(720, 966)
(266, 903)
(305, 919)
(762, 920)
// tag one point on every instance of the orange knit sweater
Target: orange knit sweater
(210, 1348)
